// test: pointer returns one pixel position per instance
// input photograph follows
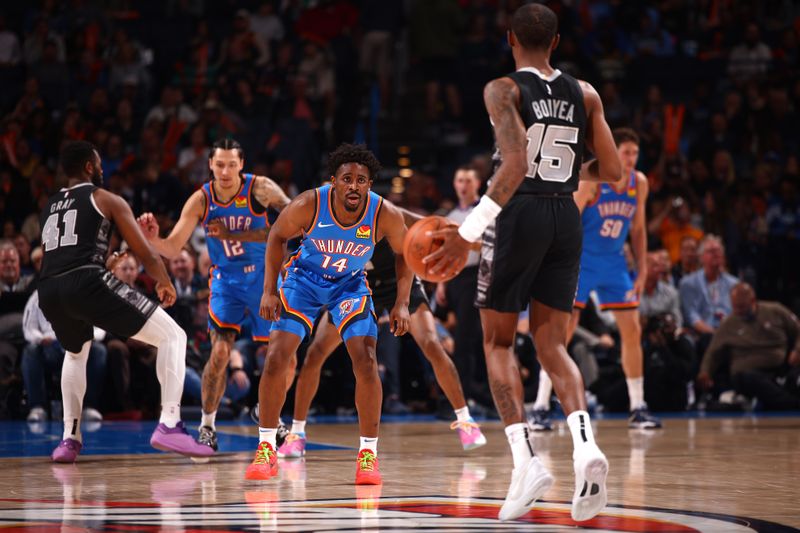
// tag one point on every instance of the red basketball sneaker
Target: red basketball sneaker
(367, 472)
(265, 463)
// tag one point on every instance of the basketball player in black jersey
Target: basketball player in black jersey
(382, 280)
(77, 292)
(531, 250)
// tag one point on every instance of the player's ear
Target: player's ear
(556, 40)
(512, 40)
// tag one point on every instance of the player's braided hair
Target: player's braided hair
(353, 153)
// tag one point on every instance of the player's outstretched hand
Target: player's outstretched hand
(149, 226)
(217, 229)
(270, 307)
(446, 260)
(166, 293)
(399, 320)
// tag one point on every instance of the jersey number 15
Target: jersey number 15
(551, 146)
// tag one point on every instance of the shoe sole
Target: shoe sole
(291, 455)
(63, 461)
(163, 448)
(645, 425)
(369, 481)
(476, 444)
(594, 473)
(535, 492)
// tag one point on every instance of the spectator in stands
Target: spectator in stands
(266, 24)
(669, 364)
(755, 339)
(193, 160)
(658, 297)
(689, 260)
(751, 58)
(171, 106)
(705, 294)
(41, 364)
(672, 224)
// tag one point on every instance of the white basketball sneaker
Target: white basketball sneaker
(591, 469)
(528, 483)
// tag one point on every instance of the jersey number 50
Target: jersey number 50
(611, 228)
(551, 146)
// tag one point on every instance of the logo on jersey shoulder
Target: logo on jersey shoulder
(632, 192)
(364, 232)
(240, 201)
(346, 307)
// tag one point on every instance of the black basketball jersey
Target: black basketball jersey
(381, 274)
(555, 122)
(74, 232)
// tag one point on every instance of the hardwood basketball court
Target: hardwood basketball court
(707, 474)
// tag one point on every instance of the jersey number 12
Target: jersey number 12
(52, 237)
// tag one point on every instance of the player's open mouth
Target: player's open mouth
(353, 199)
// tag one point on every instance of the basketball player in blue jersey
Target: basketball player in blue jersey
(340, 224)
(231, 205)
(611, 211)
(531, 232)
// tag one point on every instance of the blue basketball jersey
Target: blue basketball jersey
(241, 213)
(607, 219)
(331, 250)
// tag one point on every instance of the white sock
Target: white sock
(268, 435)
(545, 391)
(73, 388)
(518, 438)
(298, 426)
(462, 415)
(208, 419)
(170, 414)
(166, 335)
(581, 428)
(636, 392)
(369, 443)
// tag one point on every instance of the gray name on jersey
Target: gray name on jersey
(62, 204)
(553, 108)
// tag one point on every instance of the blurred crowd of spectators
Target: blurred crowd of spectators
(711, 86)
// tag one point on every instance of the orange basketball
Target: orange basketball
(418, 245)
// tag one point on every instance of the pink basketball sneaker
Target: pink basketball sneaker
(293, 447)
(469, 433)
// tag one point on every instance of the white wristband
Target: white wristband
(476, 222)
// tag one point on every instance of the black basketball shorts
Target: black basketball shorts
(532, 251)
(77, 300)
(384, 300)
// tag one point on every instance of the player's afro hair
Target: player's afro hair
(353, 153)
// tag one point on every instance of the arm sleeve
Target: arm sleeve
(30, 323)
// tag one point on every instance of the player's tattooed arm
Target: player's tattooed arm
(269, 194)
(392, 226)
(606, 167)
(292, 222)
(502, 102)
